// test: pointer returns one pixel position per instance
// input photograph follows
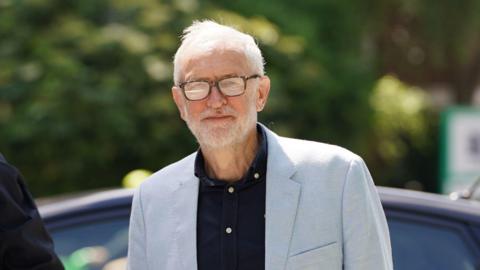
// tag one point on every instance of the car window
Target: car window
(419, 245)
(98, 245)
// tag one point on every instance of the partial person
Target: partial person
(249, 199)
(24, 242)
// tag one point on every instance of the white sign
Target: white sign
(462, 149)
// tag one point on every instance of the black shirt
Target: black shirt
(231, 216)
(24, 242)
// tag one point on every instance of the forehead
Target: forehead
(215, 63)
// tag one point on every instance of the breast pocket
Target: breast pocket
(325, 257)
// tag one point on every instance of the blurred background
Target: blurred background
(85, 85)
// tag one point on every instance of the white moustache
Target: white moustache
(224, 111)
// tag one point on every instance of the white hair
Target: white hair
(208, 35)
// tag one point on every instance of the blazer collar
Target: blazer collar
(185, 200)
(281, 203)
(282, 197)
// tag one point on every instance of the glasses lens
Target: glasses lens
(232, 86)
(196, 90)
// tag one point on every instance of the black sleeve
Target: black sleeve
(24, 241)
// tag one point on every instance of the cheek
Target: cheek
(194, 109)
(251, 102)
(239, 104)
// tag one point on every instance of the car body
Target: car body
(428, 231)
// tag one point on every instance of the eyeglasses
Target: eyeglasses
(229, 87)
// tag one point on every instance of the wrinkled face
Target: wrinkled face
(219, 121)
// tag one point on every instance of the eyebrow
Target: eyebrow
(228, 75)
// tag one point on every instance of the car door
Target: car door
(92, 240)
(423, 241)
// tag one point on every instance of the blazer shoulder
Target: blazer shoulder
(9, 176)
(311, 151)
(7, 170)
(172, 175)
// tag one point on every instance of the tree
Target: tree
(433, 44)
(85, 85)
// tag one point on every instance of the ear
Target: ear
(262, 93)
(179, 100)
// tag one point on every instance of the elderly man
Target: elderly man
(249, 199)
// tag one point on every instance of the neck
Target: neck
(232, 162)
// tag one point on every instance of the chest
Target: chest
(231, 227)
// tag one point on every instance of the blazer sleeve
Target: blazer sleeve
(24, 241)
(137, 257)
(366, 239)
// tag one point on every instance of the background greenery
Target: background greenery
(85, 85)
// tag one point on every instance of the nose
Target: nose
(216, 99)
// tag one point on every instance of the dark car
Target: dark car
(428, 231)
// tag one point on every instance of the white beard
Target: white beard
(222, 135)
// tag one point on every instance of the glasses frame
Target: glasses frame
(215, 83)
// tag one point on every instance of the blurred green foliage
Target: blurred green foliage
(85, 86)
(430, 43)
(403, 142)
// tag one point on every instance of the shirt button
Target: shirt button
(256, 175)
(231, 189)
(228, 230)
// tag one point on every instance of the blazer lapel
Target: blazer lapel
(186, 198)
(282, 197)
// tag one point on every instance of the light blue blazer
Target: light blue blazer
(322, 212)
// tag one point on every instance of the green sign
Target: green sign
(460, 148)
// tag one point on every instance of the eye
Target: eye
(232, 85)
(196, 90)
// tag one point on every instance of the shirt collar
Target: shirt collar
(256, 171)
